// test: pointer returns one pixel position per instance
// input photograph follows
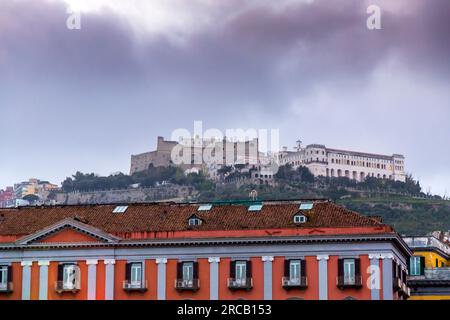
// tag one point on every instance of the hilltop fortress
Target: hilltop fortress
(320, 160)
(231, 152)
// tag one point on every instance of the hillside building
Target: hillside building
(327, 162)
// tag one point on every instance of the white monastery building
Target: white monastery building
(323, 161)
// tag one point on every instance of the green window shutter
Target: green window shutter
(422, 266)
(128, 272)
(10, 274)
(287, 268)
(340, 267)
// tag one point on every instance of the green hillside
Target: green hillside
(408, 216)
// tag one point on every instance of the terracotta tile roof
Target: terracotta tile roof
(174, 217)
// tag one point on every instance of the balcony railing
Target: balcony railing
(240, 284)
(6, 287)
(135, 285)
(192, 285)
(343, 282)
(294, 283)
(60, 287)
(442, 273)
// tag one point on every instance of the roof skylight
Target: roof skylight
(205, 207)
(120, 209)
(306, 206)
(255, 207)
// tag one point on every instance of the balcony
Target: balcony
(61, 287)
(240, 284)
(135, 285)
(343, 282)
(191, 285)
(297, 283)
(6, 287)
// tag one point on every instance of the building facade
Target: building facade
(326, 162)
(7, 197)
(429, 268)
(257, 250)
(209, 154)
(33, 187)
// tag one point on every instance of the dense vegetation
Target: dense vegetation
(409, 217)
(151, 177)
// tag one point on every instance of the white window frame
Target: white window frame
(4, 277)
(187, 272)
(295, 271)
(241, 272)
(299, 218)
(415, 266)
(194, 221)
(136, 274)
(349, 271)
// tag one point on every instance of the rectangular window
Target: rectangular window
(3, 277)
(241, 272)
(415, 266)
(188, 271)
(69, 276)
(136, 274)
(294, 270)
(349, 271)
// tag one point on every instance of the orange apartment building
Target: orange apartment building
(256, 250)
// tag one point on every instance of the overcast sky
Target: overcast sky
(86, 99)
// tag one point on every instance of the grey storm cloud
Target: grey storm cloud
(86, 99)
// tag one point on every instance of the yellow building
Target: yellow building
(429, 269)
